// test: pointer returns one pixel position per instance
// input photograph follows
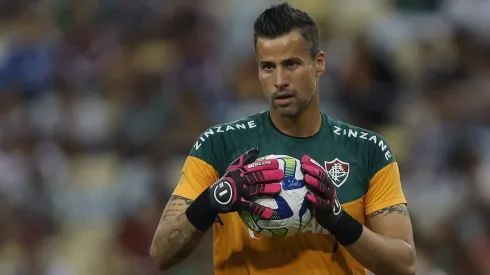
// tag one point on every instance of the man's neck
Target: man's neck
(307, 124)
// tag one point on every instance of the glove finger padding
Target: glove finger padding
(269, 189)
(262, 171)
(256, 209)
(329, 204)
(319, 202)
(316, 178)
(318, 187)
(247, 158)
(261, 165)
(264, 176)
(313, 168)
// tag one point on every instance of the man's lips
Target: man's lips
(283, 95)
(284, 99)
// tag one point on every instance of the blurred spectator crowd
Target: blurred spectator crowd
(101, 101)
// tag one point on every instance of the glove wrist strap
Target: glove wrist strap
(200, 213)
(347, 230)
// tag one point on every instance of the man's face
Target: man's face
(287, 73)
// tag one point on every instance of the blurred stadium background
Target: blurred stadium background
(101, 100)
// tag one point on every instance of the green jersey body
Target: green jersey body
(359, 162)
(359, 152)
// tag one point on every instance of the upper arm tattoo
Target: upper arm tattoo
(399, 208)
(176, 205)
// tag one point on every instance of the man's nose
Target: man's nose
(281, 81)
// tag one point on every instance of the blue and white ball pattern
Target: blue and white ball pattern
(291, 213)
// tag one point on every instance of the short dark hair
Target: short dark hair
(281, 19)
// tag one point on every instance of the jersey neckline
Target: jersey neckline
(319, 134)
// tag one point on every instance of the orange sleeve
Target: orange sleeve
(197, 175)
(385, 189)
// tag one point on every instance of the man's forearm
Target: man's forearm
(174, 240)
(382, 254)
(175, 237)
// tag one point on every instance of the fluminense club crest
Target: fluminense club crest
(338, 171)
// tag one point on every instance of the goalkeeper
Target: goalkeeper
(361, 219)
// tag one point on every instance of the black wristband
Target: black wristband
(347, 230)
(200, 213)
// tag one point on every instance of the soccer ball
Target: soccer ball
(291, 213)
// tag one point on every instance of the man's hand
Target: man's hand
(325, 205)
(390, 250)
(323, 196)
(244, 179)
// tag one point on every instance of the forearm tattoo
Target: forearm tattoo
(399, 208)
(176, 205)
(175, 238)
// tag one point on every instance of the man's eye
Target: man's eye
(268, 67)
(291, 64)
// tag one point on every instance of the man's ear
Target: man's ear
(320, 63)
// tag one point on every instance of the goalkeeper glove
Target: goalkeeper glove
(323, 200)
(244, 179)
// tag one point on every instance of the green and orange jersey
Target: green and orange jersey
(359, 162)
